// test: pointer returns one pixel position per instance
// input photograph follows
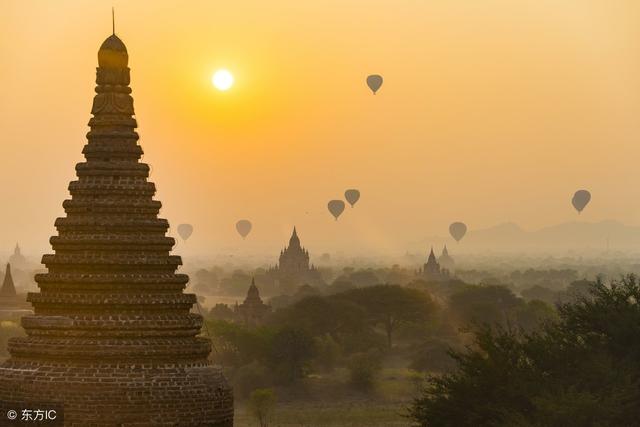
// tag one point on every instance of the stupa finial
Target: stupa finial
(113, 20)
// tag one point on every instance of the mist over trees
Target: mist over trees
(580, 370)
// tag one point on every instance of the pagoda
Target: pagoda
(253, 310)
(446, 261)
(431, 270)
(293, 269)
(112, 340)
(17, 259)
(8, 289)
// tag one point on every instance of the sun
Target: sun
(222, 79)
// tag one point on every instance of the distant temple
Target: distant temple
(11, 303)
(17, 259)
(112, 340)
(293, 269)
(432, 271)
(8, 289)
(252, 311)
(446, 261)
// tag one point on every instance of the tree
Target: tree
(574, 291)
(581, 370)
(391, 305)
(237, 345)
(321, 315)
(540, 293)
(221, 312)
(433, 356)
(491, 305)
(291, 351)
(262, 403)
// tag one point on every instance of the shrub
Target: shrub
(262, 404)
(364, 369)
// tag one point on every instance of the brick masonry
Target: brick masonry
(112, 339)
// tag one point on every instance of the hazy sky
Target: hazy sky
(491, 111)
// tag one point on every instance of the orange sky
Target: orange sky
(491, 111)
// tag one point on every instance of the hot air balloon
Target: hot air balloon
(352, 196)
(185, 230)
(457, 230)
(581, 199)
(244, 227)
(336, 207)
(374, 81)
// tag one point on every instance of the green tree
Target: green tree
(582, 370)
(291, 352)
(492, 305)
(322, 315)
(391, 305)
(237, 345)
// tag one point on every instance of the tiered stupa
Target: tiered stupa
(112, 338)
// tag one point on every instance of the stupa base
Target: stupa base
(121, 394)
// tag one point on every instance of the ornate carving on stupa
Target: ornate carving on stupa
(112, 338)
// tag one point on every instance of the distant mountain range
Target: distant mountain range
(570, 236)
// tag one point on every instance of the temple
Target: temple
(8, 289)
(112, 339)
(431, 270)
(12, 304)
(293, 269)
(17, 259)
(446, 261)
(252, 311)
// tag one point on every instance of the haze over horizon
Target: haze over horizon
(506, 110)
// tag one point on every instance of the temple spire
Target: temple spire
(113, 20)
(295, 240)
(8, 289)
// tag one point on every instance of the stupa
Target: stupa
(252, 311)
(112, 339)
